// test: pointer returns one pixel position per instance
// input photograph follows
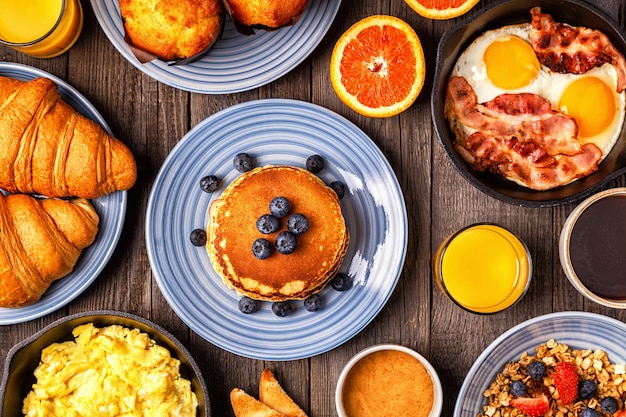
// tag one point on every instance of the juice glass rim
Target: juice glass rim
(42, 37)
(504, 302)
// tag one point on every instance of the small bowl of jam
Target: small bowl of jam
(386, 380)
(591, 248)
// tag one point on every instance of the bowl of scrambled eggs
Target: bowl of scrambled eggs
(102, 363)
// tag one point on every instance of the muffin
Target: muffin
(232, 230)
(265, 14)
(172, 29)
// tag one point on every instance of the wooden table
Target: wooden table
(151, 117)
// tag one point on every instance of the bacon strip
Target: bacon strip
(523, 116)
(519, 137)
(573, 50)
(516, 163)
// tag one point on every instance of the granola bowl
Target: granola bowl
(496, 15)
(577, 330)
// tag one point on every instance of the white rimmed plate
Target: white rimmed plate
(281, 132)
(110, 208)
(237, 62)
(579, 330)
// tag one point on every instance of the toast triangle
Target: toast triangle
(273, 395)
(245, 405)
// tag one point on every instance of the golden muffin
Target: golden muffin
(232, 229)
(172, 29)
(270, 14)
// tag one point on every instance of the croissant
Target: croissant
(48, 148)
(41, 242)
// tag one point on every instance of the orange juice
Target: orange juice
(484, 268)
(40, 28)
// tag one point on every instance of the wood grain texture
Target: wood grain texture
(152, 117)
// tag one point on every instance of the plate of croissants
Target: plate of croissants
(229, 45)
(63, 182)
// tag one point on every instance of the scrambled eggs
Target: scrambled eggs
(110, 371)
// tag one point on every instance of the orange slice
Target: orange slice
(441, 9)
(377, 66)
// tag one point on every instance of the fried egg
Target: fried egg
(503, 61)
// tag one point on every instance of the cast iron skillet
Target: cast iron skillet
(24, 357)
(456, 39)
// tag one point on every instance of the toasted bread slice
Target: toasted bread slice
(273, 395)
(245, 405)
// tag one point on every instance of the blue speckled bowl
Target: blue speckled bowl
(578, 330)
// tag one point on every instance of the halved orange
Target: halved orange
(377, 66)
(441, 9)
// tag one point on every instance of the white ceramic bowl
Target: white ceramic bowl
(567, 263)
(438, 391)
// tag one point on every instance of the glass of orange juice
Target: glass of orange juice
(483, 268)
(40, 28)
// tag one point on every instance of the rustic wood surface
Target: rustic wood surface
(151, 117)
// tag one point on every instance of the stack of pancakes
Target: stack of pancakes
(232, 230)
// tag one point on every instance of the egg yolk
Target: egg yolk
(591, 102)
(511, 62)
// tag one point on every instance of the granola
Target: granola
(594, 365)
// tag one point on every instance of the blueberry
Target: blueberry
(209, 183)
(281, 308)
(198, 237)
(315, 163)
(339, 187)
(247, 305)
(286, 242)
(589, 412)
(587, 389)
(609, 405)
(313, 302)
(518, 389)
(537, 370)
(280, 207)
(261, 248)
(341, 282)
(267, 224)
(297, 224)
(243, 162)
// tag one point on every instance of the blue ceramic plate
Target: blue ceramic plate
(578, 330)
(280, 132)
(110, 208)
(237, 62)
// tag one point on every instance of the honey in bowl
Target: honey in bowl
(592, 247)
(483, 268)
(388, 381)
